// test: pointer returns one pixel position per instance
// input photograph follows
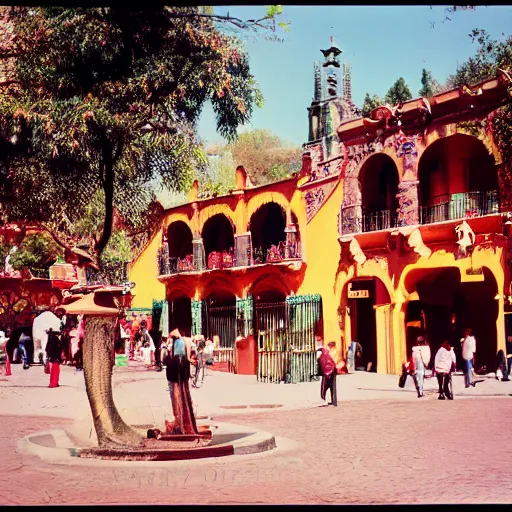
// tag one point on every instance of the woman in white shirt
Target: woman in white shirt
(443, 363)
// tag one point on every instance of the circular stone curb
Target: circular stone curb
(56, 446)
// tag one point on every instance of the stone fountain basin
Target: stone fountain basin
(228, 439)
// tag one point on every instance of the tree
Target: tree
(130, 116)
(491, 56)
(37, 252)
(219, 177)
(430, 86)
(370, 103)
(265, 156)
(398, 92)
(96, 102)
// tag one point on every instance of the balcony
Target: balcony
(244, 256)
(460, 206)
(377, 221)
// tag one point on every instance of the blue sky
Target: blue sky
(381, 43)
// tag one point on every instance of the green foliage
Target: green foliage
(430, 86)
(37, 251)
(219, 177)
(103, 100)
(370, 103)
(118, 249)
(4, 251)
(398, 92)
(490, 56)
(265, 156)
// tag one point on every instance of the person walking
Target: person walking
(468, 354)
(421, 358)
(444, 362)
(53, 355)
(329, 373)
(22, 347)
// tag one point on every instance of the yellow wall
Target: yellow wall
(143, 272)
(322, 254)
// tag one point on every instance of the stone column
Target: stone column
(408, 204)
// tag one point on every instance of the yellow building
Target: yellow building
(394, 227)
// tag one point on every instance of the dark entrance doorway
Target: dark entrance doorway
(450, 307)
(180, 315)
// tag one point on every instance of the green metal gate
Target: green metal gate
(285, 334)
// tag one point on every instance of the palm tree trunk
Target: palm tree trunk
(98, 357)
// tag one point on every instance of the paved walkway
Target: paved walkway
(380, 445)
(142, 399)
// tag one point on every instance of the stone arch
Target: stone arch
(259, 200)
(218, 238)
(219, 285)
(174, 217)
(269, 284)
(216, 209)
(179, 239)
(378, 181)
(268, 226)
(362, 296)
(180, 289)
(445, 305)
(457, 177)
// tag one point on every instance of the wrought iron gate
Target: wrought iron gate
(286, 338)
(221, 321)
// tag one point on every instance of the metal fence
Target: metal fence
(220, 321)
(459, 206)
(286, 339)
(375, 221)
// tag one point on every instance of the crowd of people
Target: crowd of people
(54, 338)
(418, 365)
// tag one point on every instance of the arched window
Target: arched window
(219, 241)
(379, 185)
(458, 178)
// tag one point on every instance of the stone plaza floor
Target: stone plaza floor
(381, 445)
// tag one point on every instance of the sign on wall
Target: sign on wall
(357, 294)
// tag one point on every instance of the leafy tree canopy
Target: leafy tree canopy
(429, 85)
(398, 92)
(265, 156)
(98, 101)
(37, 251)
(490, 56)
(370, 103)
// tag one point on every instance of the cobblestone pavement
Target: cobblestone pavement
(372, 452)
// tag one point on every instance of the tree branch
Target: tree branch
(57, 240)
(108, 188)
(230, 19)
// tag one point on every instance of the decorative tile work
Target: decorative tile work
(408, 206)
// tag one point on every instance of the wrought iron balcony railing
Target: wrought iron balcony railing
(460, 206)
(375, 221)
(230, 258)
